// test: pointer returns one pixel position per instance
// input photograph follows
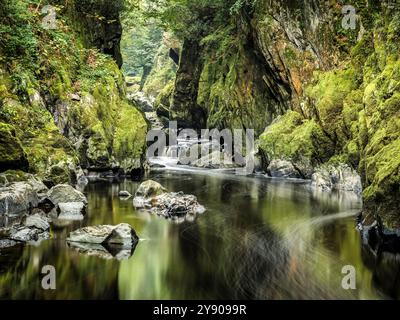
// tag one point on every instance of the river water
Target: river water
(259, 239)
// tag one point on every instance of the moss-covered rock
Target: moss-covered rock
(301, 141)
(12, 156)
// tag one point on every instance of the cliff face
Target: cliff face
(325, 94)
(62, 95)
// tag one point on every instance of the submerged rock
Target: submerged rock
(341, 177)
(122, 234)
(162, 203)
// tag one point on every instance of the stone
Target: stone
(64, 193)
(150, 189)
(37, 221)
(124, 194)
(17, 197)
(170, 205)
(122, 234)
(283, 169)
(340, 177)
(215, 160)
(6, 243)
(24, 234)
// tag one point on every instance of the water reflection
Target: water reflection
(259, 239)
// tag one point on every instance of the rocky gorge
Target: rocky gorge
(321, 99)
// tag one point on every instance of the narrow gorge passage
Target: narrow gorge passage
(199, 150)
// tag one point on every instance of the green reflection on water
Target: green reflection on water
(258, 239)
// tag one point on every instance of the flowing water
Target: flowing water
(258, 239)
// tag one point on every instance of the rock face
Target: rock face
(64, 193)
(12, 156)
(122, 234)
(141, 101)
(342, 178)
(169, 205)
(283, 169)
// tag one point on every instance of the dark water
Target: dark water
(259, 239)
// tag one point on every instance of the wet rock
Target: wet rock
(341, 177)
(283, 169)
(124, 194)
(23, 233)
(122, 234)
(107, 252)
(215, 160)
(150, 189)
(71, 211)
(6, 243)
(64, 193)
(17, 197)
(170, 205)
(38, 221)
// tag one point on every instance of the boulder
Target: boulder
(340, 177)
(122, 234)
(38, 221)
(170, 205)
(283, 169)
(215, 160)
(150, 189)
(17, 197)
(64, 193)
(23, 233)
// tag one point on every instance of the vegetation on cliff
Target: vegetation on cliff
(61, 91)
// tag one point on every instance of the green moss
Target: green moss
(293, 138)
(11, 153)
(129, 140)
(328, 93)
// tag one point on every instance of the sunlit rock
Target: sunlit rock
(64, 193)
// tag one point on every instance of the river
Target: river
(259, 239)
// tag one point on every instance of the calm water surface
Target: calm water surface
(259, 239)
